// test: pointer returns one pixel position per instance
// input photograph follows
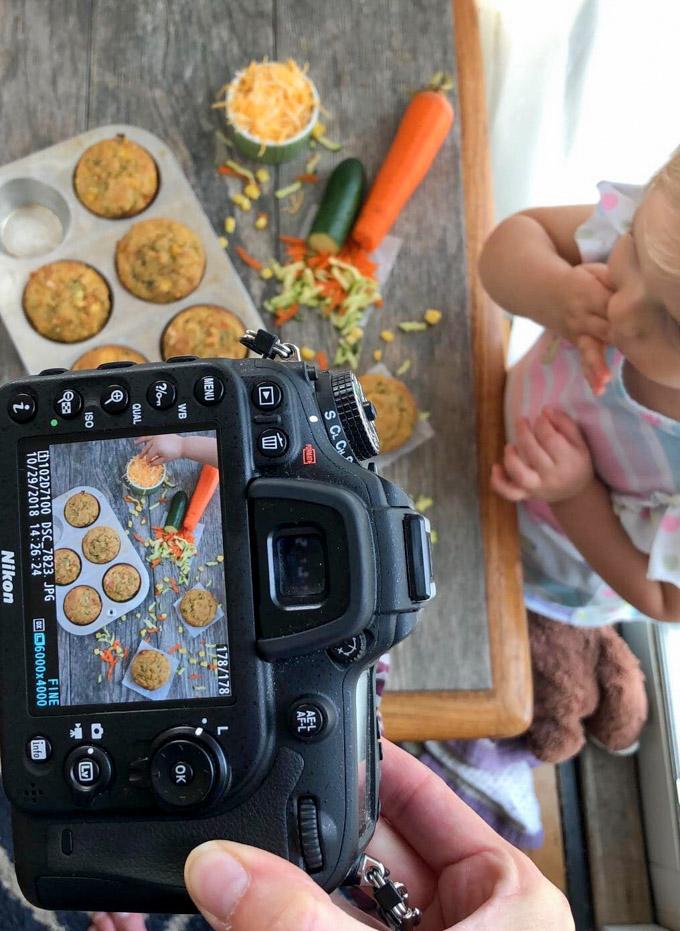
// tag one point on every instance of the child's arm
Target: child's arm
(531, 266)
(167, 446)
(589, 521)
(551, 461)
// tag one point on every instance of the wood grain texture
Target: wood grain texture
(616, 845)
(506, 707)
(71, 66)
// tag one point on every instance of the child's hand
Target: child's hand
(550, 460)
(157, 450)
(587, 290)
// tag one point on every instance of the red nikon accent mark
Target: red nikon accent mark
(308, 455)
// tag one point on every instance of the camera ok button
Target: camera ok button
(181, 773)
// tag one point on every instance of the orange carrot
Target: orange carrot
(174, 648)
(286, 314)
(309, 177)
(322, 360)
(424, 127)
(207, 482)
(249, 260)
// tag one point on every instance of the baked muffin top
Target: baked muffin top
(397, 412)
(206, 331)
(116, 178)
(101, 354)
(198, 607)
(160, 260)
(67, 301)
(81, 509)
(150, 669)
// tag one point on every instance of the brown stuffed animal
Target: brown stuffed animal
(586, 679)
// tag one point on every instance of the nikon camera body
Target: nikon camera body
(138, 722)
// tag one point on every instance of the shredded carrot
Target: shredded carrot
(293, 241)
(155, 562)
(249, 260)
(286, 314)
(139, 538)
(226, 170)
(322, 360)
(309, 177)
(174, 648)
(174, 586)
(195, 675)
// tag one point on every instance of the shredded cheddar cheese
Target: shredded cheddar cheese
(144, 475)
(272, 101)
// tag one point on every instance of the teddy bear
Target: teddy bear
(587, 681)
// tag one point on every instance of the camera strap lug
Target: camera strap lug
(390, 897)
(269, 346)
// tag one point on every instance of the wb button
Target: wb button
(181, 773)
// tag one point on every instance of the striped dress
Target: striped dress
(635, 451)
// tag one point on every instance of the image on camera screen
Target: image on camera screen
(126, 535)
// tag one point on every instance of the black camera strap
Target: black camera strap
(390, 897)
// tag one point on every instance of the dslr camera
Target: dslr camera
(197, 577)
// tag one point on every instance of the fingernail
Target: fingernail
(216, 880)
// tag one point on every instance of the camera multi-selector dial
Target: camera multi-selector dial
(187, 768)
(356, 414)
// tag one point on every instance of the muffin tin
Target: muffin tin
(68, 537)
(39, 209)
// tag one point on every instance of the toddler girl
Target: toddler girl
(593, 409)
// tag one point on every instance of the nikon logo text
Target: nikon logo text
(8, 572)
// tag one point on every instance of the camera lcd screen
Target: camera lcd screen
(299, 567)
(125, 588)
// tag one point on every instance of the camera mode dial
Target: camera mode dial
(356, 414)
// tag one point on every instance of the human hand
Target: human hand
(457, 870)
(549, 461)
(586, 292)
(157, 450)
(117, 921)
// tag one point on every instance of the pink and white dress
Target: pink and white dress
(636, 453)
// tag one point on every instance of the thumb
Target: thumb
(245, 889)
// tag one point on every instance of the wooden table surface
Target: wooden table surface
(70, 65)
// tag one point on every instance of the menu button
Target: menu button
(209, 390)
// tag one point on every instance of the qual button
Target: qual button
(115, 399)
(162, 394)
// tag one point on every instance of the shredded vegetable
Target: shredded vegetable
(340, 287)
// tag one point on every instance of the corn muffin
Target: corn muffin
(82, 509)
(116, 178)
(150, 669)
(101, 354)
(206, 331)
(160, 260)
(82, 605)
(67, 301)
(396, 409)
(198, 607)
(121, 582)
(66, 566)
(101, 544)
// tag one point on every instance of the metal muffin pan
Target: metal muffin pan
(68, 537)
(39, 207)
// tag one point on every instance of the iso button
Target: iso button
(161, 395)
(68, 404)
(115, 399)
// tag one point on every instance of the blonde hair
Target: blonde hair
(664, 250)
